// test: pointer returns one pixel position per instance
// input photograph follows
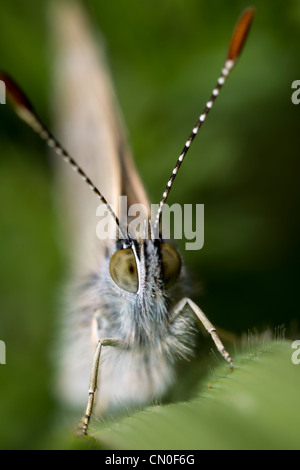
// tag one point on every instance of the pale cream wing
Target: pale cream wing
(88, 124)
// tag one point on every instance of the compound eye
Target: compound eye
(171, 264)
(123, 270)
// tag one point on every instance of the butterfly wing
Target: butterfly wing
(89, 124)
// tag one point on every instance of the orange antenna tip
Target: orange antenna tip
(240, 34)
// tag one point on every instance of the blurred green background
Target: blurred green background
(244, 167)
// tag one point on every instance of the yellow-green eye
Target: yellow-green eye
(171, 264)
(123, 270)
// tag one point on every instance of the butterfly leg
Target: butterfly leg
(83, 427)
(205, 322)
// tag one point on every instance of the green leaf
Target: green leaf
(254, 407)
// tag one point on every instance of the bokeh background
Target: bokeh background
(244, 167)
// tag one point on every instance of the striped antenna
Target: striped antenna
(26, 112)
(235, 48)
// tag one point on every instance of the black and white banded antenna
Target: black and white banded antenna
(237, 41)
(26, 112)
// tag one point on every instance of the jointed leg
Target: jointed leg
(206, 323)
(94, 380)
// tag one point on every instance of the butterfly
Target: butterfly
(127, 318)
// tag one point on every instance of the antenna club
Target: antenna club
(240, 34)
(15, 94)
